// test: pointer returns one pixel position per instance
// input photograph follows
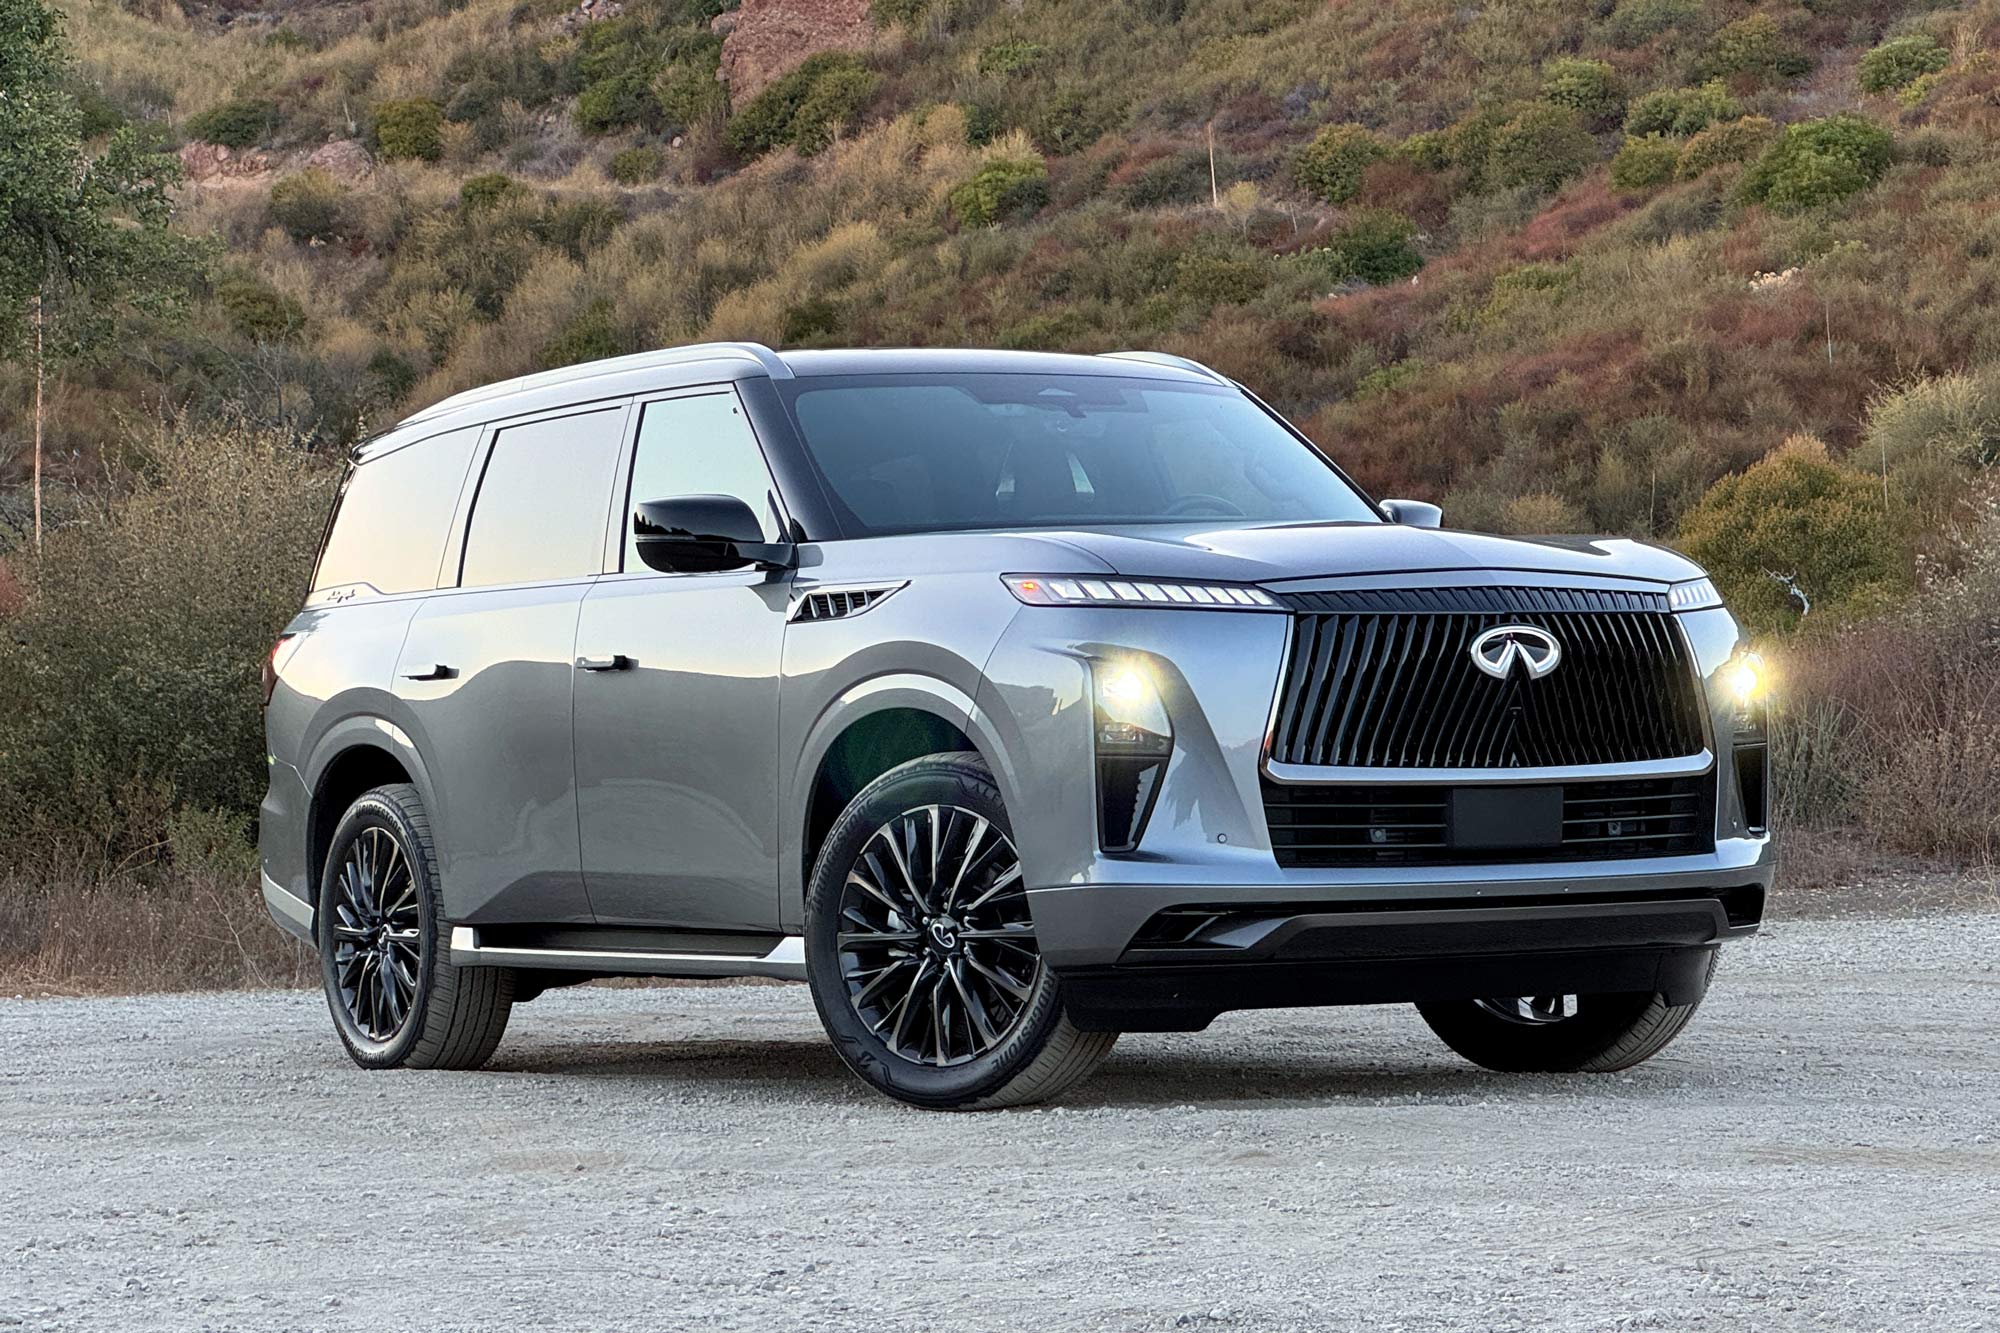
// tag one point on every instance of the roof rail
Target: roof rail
(773, 364)
(1169, 359)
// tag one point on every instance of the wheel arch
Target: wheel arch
(860, 736)
(355, 756)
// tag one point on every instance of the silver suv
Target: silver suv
(1011, 701)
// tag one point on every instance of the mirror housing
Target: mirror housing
(702, 534)
(1413, 513)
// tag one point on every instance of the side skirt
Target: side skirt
(786, 959)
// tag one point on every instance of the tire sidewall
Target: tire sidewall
(961, 780)
(382, 809)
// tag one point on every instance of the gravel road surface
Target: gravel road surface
(1820, 1150)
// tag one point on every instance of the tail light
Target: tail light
(269, 674)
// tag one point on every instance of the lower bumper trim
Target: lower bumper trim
(785, 961)
(294, 914)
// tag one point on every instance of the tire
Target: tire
(928, 1017)
(1607, 1033)
(422, 1012)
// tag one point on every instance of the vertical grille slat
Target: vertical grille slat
(1384, 678)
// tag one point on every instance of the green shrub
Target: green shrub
(1001, 190)
(1070, 121)
(1215, 276)
(1178, 178)
(1952, 416)
(1378, 246)
(1011, 56)
(1901, 61)
(1795, 519)
(1753, 47)
(1540, 148)
(689, 94)
(239, 124)
(590, 335)
(636, 166)
(1636, 22)
(1645, 163)
(489, 188)
(1588, 87)
(578, 226)
(258, 310)
(1819, 162)
(814, 319)
(1718, 145)
(310, 205)
(1331, 165)
(1681, 111)
(984, 123)
(895, 13)
(617, 103)
(411, 128)
(805, 108)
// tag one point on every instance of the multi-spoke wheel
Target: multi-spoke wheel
(1564, 1033)
(377, 933)
(936, 944)
(921, 950)
(395, 996)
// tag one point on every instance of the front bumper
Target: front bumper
(1154, 957)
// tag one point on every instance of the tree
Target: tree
(83, 234)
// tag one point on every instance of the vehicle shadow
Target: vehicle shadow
(1137, 1075)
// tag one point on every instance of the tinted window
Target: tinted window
(911, 453)
(540, 509)
(698, 446)
(394, 514)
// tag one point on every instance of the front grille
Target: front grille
(1353, 825)
(1385, 679)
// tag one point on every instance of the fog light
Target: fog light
(1134, 739)
(1130, 717)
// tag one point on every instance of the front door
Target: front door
(486, 671)
(677, 697)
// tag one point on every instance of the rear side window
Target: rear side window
(394, 515)
(541, 505)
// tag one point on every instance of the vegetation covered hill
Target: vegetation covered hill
(1717, 272)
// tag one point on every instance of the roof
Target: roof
(698, 363)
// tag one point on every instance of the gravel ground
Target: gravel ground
(1820, 1150)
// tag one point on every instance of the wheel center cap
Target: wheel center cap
(944, 934)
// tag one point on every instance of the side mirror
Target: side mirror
(698, 534)
(1413, 513)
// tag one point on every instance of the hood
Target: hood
(1337, 550)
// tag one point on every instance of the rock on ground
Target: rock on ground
(769, 38)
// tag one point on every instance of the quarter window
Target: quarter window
(394, 514)
(539, 514)
(701, 445)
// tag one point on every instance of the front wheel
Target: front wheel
(1562, 1034)
(921, 951)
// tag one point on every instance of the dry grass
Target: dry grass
(69, 931)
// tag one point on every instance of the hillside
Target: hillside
(1561, 266)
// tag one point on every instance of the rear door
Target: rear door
(486, 669)
(677, 698)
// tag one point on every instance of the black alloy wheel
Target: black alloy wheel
(378, 933)
(936, 946)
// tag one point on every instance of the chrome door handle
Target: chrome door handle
(438, 672)
(615, 662)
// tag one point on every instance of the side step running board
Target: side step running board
(786, 960)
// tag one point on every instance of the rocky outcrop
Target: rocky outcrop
(343, 159)
(212, 161)
(770, 37)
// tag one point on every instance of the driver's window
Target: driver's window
(701, 445)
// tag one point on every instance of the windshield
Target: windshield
(930, 453)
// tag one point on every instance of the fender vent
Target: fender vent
(840, 603)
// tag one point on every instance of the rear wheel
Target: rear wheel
(1562, 1034)
(395, 996)
(922, 953)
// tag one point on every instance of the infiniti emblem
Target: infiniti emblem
(1497, 650)
(944, 933)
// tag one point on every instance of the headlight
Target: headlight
(1134, 740)
(1746, 678)
(1069, 590)
(1694, 595)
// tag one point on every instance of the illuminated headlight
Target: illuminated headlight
(1746, 678)
(1134, 739)
(1694, 595)
(1067, 590)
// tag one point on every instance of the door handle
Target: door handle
(615, 662)
(437, 672)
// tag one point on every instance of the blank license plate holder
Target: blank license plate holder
(1501, 817)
